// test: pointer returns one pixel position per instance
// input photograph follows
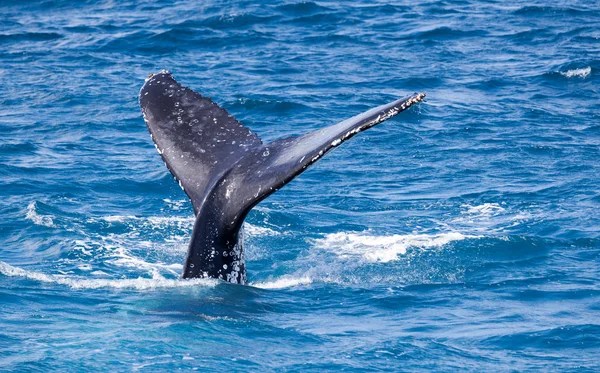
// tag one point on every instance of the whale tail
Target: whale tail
(225, 169)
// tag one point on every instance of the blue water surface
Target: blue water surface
(462, 235)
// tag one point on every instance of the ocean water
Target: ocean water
(462, 235)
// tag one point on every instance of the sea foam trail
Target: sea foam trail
(383, 248)
(77, 283)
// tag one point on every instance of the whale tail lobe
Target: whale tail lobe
(225, 169)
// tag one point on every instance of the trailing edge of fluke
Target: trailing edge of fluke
(225, 169)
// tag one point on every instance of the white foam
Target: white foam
(489, 218)
(141, 246)
(383, 248)
(171, 220)
(582, 73)
(486, 209)
(255, 230)
(37, 219)
(284, 282)
(117, 218)
(121, 257)
(114, 250)
(153, 221)
(175, 204)
(166, 237)
(139, 283)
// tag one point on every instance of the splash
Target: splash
(121, 257)
(284, 282)
(138, 245)
(486, 209)
(116, 218)
(156, 282)
(37, 219)
(581, 73)
(383, 248)
(176, 205)
(256, 230)
(490, 218)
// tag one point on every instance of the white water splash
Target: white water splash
(383, 248)
(489, 218)
(156, 282)
(176, 205)
(37, 219)
(116, 218)
(145, 246)
(140, 245)
(486, 209)
(255, 230)
(284, 282)
(121, 257)
(581, 73)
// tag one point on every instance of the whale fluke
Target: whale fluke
(225, 169)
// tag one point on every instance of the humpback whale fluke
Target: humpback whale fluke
(225, 169)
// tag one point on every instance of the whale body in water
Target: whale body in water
(225, 169)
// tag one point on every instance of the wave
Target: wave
(30, 36)
(552, 11)
(581, 73)
(176, 205)
(445, 32)
(157, 281)
(303, 7)
(561, 336)
(136, 245)
(490, 218)
(283, 282)
(38, 219)
(236, 21)
(140, 283)
(383, 248)
(485, 209)
(255, 230)
(121, 257)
